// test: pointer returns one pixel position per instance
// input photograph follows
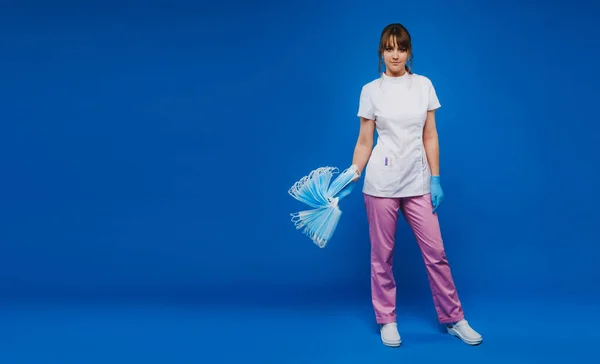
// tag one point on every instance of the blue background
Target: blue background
(147, 151)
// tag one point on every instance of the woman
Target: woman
(402, 174)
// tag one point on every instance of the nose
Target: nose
(396, 53)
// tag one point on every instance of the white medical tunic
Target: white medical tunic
(398, 165)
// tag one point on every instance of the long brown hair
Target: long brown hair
(401, 35)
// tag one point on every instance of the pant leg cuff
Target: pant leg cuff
(386, 320)
(455, 318)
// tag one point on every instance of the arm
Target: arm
(362, 152)
(364, 144)
(432, 149)
(431, 143)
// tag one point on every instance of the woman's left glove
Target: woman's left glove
(437, 194)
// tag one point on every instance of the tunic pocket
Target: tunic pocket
(384, 170)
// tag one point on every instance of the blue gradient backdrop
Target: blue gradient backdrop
(147, 149)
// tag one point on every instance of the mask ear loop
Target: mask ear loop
(309, 189)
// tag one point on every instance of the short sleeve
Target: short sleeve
(434, 103)
(365, 106)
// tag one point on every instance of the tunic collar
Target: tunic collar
(399, 79)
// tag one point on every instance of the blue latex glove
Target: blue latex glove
(437, 194)
(345, 191)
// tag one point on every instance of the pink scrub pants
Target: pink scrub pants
(382, 214)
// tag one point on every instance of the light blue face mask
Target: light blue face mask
(317, 190)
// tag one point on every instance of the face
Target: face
(395, 58)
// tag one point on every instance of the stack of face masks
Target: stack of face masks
(318, 191)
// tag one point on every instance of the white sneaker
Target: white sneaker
(463, 331)
(390, 335)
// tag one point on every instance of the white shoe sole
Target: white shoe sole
(392, 344)
(453, 332)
